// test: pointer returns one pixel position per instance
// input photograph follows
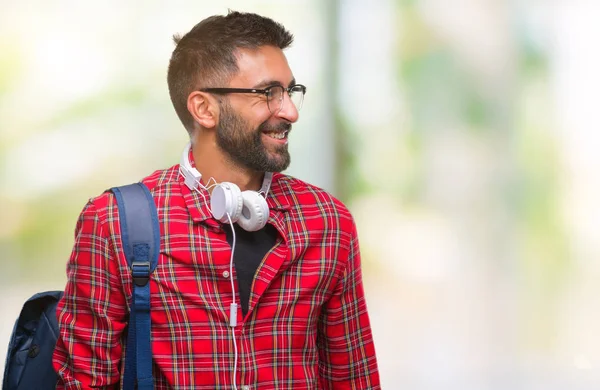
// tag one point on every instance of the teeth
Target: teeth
(277, 135)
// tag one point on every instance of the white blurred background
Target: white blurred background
(463, 136)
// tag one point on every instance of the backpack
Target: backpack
(31, 346)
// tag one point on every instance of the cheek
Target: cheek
(259, 122)
(259, 113)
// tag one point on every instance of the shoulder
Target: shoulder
(309, 200)
(159, 183)
(163, 181)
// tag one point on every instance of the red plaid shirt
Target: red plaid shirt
(307, 325)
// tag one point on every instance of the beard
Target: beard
(245, 148)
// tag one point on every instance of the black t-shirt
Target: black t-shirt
(250, 249)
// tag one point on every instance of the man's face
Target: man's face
(251, 134)
(245, 145)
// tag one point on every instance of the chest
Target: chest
(297, 273)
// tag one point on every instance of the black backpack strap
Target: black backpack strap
(140, 235)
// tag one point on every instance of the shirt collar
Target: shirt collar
(198, 201)
(278, 199)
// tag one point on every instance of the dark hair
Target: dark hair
(205, 56)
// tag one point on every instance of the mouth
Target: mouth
(278, 135)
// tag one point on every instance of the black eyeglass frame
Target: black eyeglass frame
(264, 91)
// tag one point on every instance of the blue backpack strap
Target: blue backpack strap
(140, 235)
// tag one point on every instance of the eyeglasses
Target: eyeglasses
(273, 93)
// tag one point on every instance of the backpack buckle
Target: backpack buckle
(140, 271)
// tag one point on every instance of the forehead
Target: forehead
(264, 64)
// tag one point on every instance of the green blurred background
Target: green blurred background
(462, 134)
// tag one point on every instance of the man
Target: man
(302, 320)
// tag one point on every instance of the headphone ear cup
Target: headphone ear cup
(255, 212)
(226, 198)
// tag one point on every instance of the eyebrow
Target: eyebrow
(271, 83)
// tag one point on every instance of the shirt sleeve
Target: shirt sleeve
(346, 351)
(92, 313)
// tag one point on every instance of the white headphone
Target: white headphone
(248, 208)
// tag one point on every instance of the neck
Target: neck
(210, 161)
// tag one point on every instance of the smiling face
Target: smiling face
(248, 132)
(261, 149)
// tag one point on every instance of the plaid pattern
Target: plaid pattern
(307, 326)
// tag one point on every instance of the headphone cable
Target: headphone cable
(233, 307)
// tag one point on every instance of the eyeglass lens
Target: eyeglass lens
(275, 98)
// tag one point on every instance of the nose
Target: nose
(288, 111)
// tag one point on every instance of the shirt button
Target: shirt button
(225, 274)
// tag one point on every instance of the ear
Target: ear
(203, 108)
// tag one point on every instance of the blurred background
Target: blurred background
(462, 135)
